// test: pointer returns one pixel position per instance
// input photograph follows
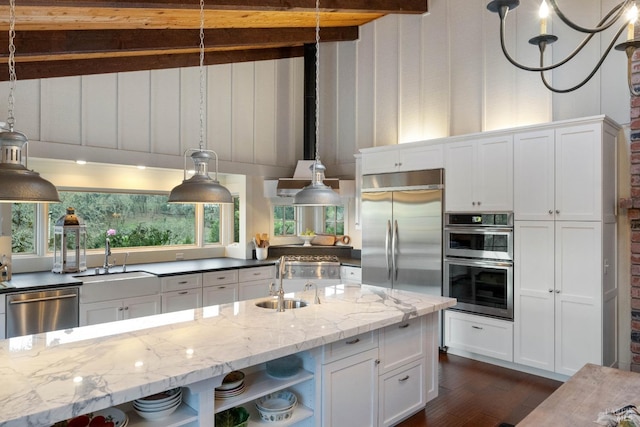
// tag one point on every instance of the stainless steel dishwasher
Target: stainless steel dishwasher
(42, 311)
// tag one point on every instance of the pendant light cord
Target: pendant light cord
(317, 129)
(12, 63)
(202, 74)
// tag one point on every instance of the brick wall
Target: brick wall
(634, 216)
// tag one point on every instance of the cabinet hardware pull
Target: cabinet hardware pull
(183, 293)
(550, 212)
(406, 325)
(377, 362)
(403, 379)
(550, 290)
(120, 309)
(357, 340)
(220, 278)
(256, 274)
(183, 282)
(126, 308)
(476, 327)
(222, 287)
(479, 203)
(557, 291)
(557, 211)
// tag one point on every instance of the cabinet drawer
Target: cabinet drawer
(222, 277)
(351, 274)
(2, 303)
(181, 300)
(184, 281)
(350, 346)
(402, 393)
(256, 273)
(219, 294)
(478, 334)
(402, 343)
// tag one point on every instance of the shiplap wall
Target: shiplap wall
(407, 78)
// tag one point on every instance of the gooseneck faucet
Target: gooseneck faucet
(280, 306)
(107, 254)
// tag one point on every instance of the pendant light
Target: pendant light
(19, 184)
(317, 193)
(200, 188)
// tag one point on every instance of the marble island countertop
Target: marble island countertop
(57, 375)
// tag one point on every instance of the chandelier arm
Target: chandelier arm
(617, 10)
(591, 74)
(548, 67)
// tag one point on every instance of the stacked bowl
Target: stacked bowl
(277, 406)
(159, 405)
(232, 385)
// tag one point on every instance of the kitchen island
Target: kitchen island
(54, 376)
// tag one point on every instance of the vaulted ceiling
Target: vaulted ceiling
(56, 38)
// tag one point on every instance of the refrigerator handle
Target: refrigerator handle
(394, 249)
(386, 248)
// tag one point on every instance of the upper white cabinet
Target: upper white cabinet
(479, 174)
(402, 157)
(565, 173)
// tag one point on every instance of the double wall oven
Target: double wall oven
(478, 262)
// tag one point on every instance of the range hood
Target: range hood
(288, 187)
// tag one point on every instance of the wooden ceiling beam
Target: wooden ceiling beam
(63, 68)
(54, 43)
(368, 6)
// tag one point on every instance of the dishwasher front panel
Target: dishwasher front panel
(42, 311)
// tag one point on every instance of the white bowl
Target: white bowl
(158, 398)
(156, 408)
(156, 415)
(232, 380)
(276, 402)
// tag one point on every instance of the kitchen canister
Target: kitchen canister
(261, 253)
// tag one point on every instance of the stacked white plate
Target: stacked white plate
(232, 385)
(159, 405)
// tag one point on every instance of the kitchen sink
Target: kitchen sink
(288, 304)
(110, 277)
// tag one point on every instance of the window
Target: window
(236, 219)
(138, 219)
(285, 219)
(23, 228)
(334, 220)
(211, 224)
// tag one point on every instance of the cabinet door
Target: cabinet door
(578, 165)
(100, 312)
(351, 275)
(459, 159)
(534, 175)
(350, 391)
(221, 294)
(380, 162)
(419, 158)
(402, 393)
(181, 282)
(493, 175)
(534, 293)
(181, 300)
(578, 312)
(141, 306)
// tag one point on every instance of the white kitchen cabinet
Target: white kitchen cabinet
(181, 300)
(350, 275)
(254, 282)
(350, 391)
(181, 282)
(479, 334)
(559, 316)
(219, 287)
(566, 172)
(479, 174)
(119, 309)
(402, 158)
(219, 294)
(401, 393)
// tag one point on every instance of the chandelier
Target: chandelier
(625, 12)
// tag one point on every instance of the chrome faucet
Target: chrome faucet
(107, 254)
(280, 306)
(308, 286)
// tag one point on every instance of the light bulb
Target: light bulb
(543, 12)
(632, 17)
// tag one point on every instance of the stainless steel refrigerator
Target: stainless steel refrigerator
(402, 230)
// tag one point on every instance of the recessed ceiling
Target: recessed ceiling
(56, 38)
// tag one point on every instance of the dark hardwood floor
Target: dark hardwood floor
(477, 394)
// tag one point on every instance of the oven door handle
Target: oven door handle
(478, 262)
(386, 249)
(484, 230)
(394, 249)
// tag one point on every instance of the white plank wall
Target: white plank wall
(406, 78)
